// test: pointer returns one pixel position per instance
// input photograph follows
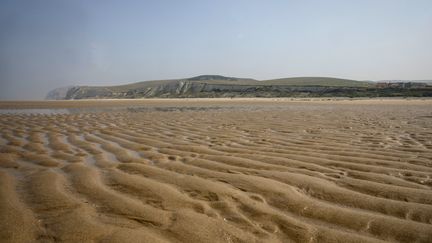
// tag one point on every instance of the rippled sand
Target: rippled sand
(217, 171)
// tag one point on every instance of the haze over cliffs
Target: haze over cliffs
(221, 86)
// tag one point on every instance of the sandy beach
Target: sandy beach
(216, 170)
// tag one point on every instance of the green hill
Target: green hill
(221, 86)
(222, 80)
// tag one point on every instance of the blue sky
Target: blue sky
(46, 44)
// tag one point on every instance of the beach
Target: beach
(216, 170)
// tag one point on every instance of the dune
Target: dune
(216, 170)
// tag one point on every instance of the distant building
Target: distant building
(401, 85)
(382, 85)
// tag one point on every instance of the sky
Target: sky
(45, 44)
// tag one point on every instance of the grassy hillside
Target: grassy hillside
(217, 79)
(213, 79)
(220, 86)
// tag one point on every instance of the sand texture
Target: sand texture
(217, 171)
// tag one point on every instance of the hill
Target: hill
(221, 86)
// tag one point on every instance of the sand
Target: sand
(204, 170)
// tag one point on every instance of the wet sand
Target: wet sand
(204, 170)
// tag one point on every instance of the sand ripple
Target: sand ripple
(301, 172)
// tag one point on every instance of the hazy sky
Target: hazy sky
(46, 44)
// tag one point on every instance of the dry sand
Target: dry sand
(258, 170)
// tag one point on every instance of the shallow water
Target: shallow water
(54, 111)
(35, 111)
